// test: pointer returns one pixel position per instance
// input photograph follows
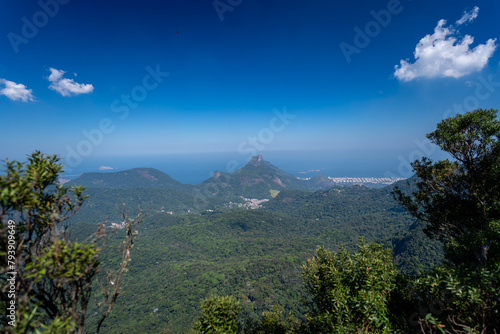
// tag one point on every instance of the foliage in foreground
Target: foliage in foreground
(350, 291)
(53, 275)
(363, 293)
(457, 299)
(459, 200)
(49, 275)
(219, 315)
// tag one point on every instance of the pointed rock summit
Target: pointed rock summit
(256, 160)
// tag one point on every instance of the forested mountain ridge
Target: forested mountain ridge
(154, 191)
(132, 178)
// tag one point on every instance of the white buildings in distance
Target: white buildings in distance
(364, 180)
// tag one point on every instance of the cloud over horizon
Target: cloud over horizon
(443, 55)
(15, 91)
(67, 87)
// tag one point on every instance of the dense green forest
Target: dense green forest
(252, 254)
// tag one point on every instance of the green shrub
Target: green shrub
(219, 315)
(350, 291)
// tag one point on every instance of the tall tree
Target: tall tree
(52, 275)
(459, 198)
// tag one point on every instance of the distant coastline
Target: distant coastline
(341, 181)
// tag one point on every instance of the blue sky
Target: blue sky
(157, 78)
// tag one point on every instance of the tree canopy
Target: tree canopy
(459, 198)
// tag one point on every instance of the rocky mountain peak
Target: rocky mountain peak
(256, 160)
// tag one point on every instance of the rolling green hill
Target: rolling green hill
(133, 178)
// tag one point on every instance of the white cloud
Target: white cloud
(55, 75)
(105, 168)
(67, 87)
(468, 16)
(15, 91)
(443, 55)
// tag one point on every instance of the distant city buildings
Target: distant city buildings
(249, 203)
(365, 180)
(118, 225)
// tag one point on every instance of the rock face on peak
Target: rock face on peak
(258, 164)
(256, 160)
